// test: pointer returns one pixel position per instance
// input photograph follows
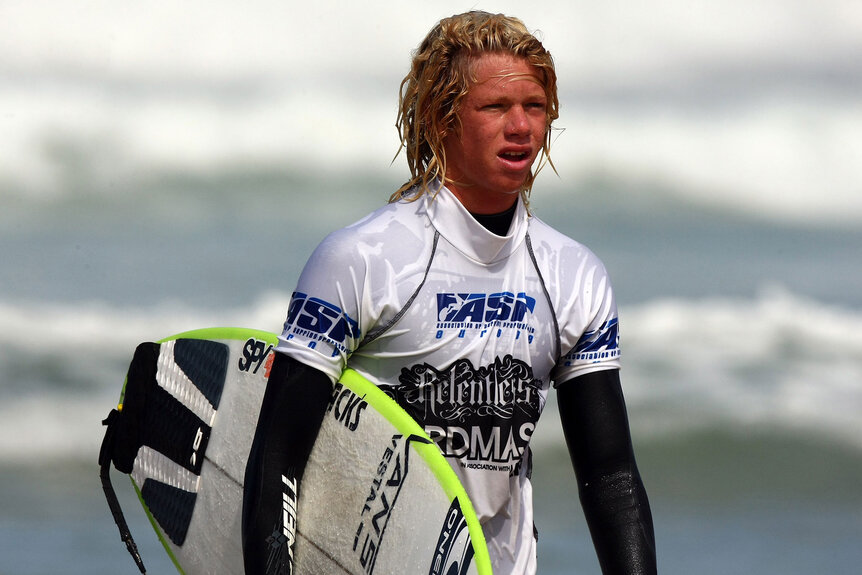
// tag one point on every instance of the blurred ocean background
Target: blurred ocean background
(166, 166)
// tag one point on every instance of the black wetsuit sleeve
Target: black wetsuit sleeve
(293, 407)
(595, 424)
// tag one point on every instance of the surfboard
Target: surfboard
(377, 495)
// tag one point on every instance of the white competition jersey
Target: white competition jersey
(466, 330)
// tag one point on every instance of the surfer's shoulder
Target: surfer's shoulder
(393, 227)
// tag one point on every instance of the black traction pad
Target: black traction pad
(151, 416)
(171, 506)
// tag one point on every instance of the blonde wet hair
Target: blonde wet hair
(442, 72)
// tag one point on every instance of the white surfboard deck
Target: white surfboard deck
(377, 495)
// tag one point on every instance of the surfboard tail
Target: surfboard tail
(159, 432)
(124, 436)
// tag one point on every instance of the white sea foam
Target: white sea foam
(736, 105)
(776, 362)
(74, 329)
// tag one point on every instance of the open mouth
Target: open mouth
(515, 156)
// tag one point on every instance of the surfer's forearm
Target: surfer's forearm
(613, 497)
(620, 522)
(293, 407)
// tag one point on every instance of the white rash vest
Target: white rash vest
(466, 330)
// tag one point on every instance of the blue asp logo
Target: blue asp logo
(596, 345)
(481, 308)
(318, 319)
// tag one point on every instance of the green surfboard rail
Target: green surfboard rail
(237, 333)
(429, 451)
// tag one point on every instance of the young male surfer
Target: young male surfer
(466, 309)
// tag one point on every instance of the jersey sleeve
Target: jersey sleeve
(323, 324)
(590, 324)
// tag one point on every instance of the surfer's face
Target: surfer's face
(502, 127)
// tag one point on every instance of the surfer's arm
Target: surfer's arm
(290, 417)
(595, 424)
